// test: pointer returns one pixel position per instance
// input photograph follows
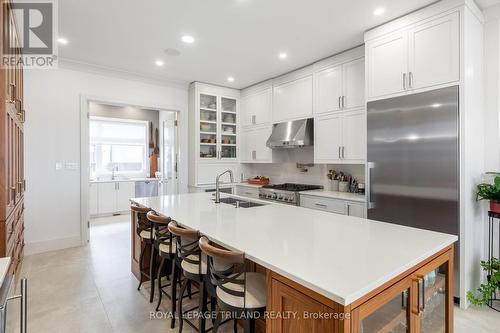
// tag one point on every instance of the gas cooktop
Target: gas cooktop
(285, 193)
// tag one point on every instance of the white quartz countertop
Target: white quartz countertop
(4, 267)
(336, 195)
(340, 257)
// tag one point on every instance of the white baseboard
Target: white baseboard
(51, 245)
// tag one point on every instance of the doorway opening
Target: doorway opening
(132, 152)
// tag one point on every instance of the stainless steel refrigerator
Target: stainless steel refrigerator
(413, 161)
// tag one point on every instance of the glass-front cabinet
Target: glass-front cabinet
(218, 128)
(421, 302)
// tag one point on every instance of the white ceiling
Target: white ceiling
(240, 38)
(487, 3)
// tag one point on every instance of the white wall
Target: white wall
(52, 99)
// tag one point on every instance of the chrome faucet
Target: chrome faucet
(217, 187)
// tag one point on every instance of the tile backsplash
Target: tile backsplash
(288, 172)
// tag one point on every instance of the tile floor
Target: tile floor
(90, 289)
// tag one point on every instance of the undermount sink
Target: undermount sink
(242, 203)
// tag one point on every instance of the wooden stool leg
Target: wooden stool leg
(218, 320)
(249, 325)
(202, 308)
(160, 292)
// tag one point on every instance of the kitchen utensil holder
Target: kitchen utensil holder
(343, 186)
(335, 185)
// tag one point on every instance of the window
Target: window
(118, 145)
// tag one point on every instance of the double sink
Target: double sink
(239, 203)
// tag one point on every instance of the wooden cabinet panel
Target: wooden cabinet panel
(286, 300)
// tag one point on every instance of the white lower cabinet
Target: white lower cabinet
(110, 198)
(340, 138)
(332, 205)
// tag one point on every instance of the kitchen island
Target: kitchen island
(339, 273)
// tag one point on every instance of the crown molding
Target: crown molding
(66, 63)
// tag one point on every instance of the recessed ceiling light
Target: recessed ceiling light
(230, 79)
(379, 11)
(188, 39)
(283, 55)
(159, 63)
(62, 41)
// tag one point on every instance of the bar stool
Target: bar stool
(238, 291)
(164, 246)
(145, 232)
(194, 267)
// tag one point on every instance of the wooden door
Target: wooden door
(354, 136)
(434, 52)
(293, 100)
(328, 138)
(354, 84)
(328, 90)
(295, 305)
(387, 65)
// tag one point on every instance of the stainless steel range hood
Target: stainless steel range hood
(292, 134)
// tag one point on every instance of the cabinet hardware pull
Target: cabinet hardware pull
(320, 205)
(348, 210)
(340, 102)
(404, 81)
(248, 193)
(254, 119)
(343, 102)
(340, 156)
(254, 155)
(370, 166)
(343, 149)
(410, 79)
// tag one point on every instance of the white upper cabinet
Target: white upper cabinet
(387, 67)
(293, 96)
(419, 56)
(340, 138)
(328, 89)
(257, 105)
(254, 149)
(354, 136)
(434, 52)
(354, 84)
(339, 82)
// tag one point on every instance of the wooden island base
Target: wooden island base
(401, 302)
(398, 305)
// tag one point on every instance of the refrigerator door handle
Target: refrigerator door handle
(369, 167)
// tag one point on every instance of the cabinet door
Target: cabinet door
(93, 199)
(389, 311)
(328, 138)
(434, 297)
(228, 148)
(328, 90)
(247, 145)
(257, 108)
(262, 152)
(354, 84)
(355, 209)
(107, 198)
(321, 203)
(293, 100)
(285, 299)
(125, 192)
(435, 52)
(354, 136)
(387, 62)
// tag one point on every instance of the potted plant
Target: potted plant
(490, 192)
(486, 291)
